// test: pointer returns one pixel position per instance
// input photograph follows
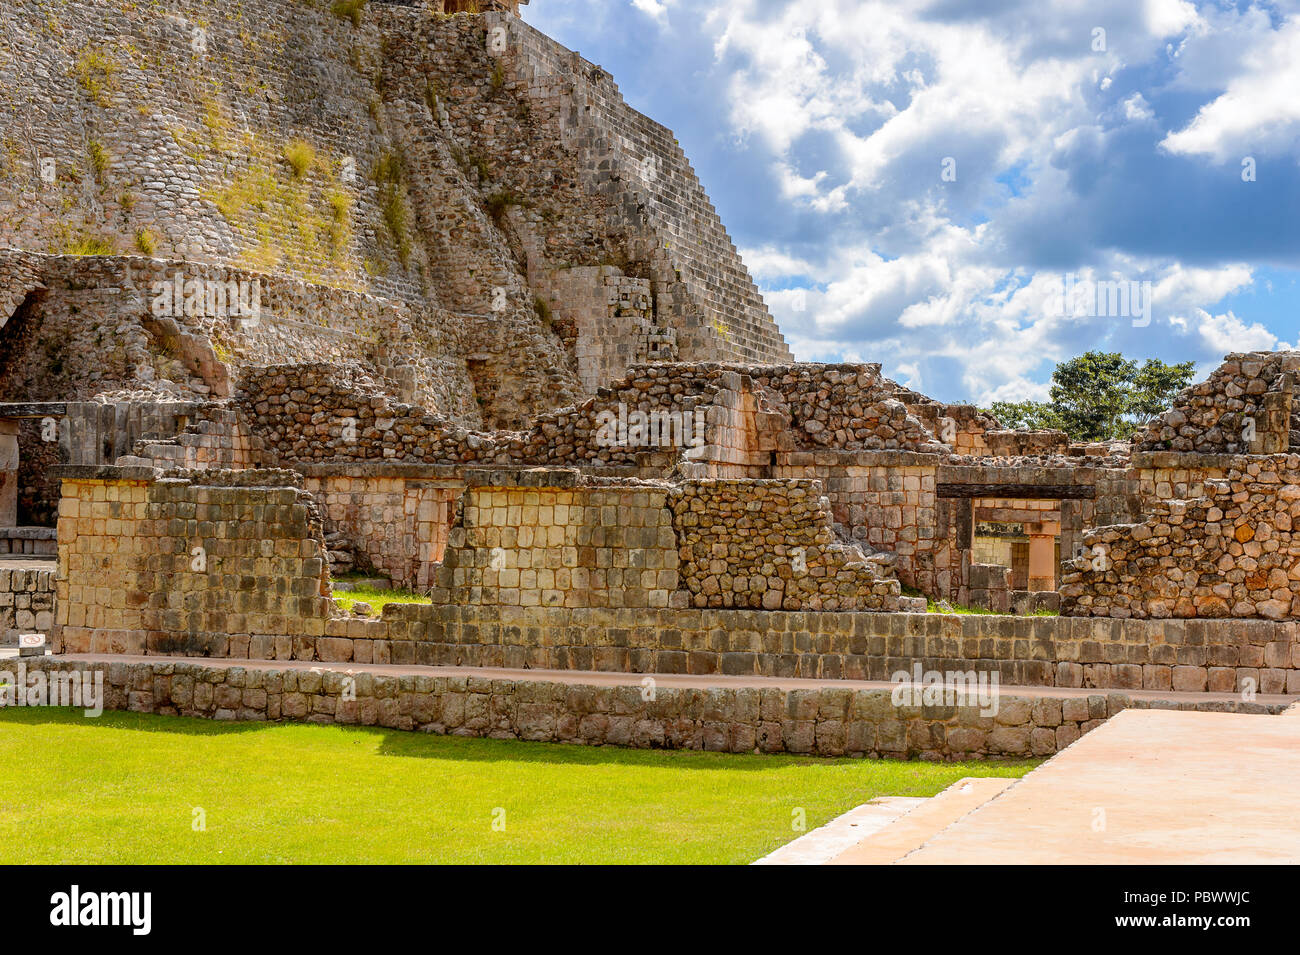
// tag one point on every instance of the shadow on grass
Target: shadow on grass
(417, 745)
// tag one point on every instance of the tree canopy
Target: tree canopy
(1100, 396)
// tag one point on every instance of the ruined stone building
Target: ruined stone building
(413, 290)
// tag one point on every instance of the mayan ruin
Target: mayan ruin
(302, 302)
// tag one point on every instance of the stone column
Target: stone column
(1042, 554)
(8, 473)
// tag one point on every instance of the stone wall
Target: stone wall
(26, 602)
(322, 412)
(1229, 553)
(770, 544)
(553, 539)
(823, 721)
(1243, 656)
(172, 563)
(1243, 407)
(885, 500)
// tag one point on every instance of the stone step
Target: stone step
(843, 832)
(719, 713)
(892, 842)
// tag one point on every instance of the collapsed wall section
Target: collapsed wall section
(771, 544)
(1243, 407)
(161, 329)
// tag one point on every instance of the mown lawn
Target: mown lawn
(124, 788)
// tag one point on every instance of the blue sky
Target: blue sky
(915, 181)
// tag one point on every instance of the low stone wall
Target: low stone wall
(815, 721)
(1191, 656)
(184, 557)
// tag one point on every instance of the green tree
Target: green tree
(1156, 386)
(1031, 415)
(1099, 396)
(1091, 394)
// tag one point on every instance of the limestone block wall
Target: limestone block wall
(1248, 657)
(552, 539)
(775, 719)
(176, 563)
(1229, 553)
(1165, 475)
(26, 602)
(770, 544)
(131, 581)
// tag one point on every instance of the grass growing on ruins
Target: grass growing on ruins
(128, 788)
(349, 10)
(377, 598)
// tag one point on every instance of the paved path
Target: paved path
(843, 832)
(1150, 787)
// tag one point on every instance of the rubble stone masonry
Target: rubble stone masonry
(819, 721)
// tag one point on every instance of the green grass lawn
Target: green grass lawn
(123, 788)
(378, 598)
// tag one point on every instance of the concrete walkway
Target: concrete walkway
(1150, 787)
(843, 832)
